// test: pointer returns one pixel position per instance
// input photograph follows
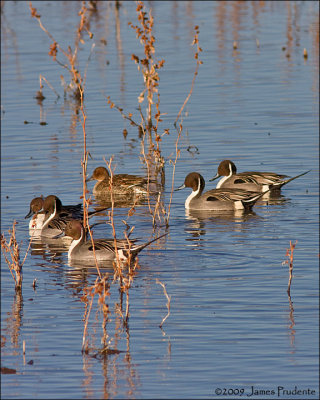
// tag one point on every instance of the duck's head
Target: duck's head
(74, 229)
(51, 204)
(194, 181)
(36, 206)
(99, 174)
(226, 168)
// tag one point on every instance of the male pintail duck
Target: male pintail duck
(56, 218)
(122, 184)
(38, 214)
(216, 199)
(251, 180)
(104, 249)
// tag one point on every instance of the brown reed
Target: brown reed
(124, 274)
(149, 68)
(198, 63)
(11, 251)
(289, 261)
(77, 84)
(39, 95)
(147, 65)
(71, 56)
(168, 303)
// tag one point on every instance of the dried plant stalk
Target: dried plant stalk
(11, 248)
(289, 261)
(77, 81)
(199, 62)
(168, 303)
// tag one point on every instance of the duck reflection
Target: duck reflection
(225, 221)
(120, 201)
(274, 197)
(50, 249)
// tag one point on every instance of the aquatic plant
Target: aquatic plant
(11, 252)
(123, 272)
(168, 303)
(289, 261)
(78, 79)
(148, 127)
(70, 62)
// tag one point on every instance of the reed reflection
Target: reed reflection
(14, 321)
(291, 324)
(118, 371)
(121, 58)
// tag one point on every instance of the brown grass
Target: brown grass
(11, 251)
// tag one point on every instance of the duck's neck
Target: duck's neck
(75, 243)
(222, 180)
(193, 195)
(225, 178)
(51, 216)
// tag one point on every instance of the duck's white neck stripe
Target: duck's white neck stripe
(222, 180)
(74, 244)
(193, 194)
(51, 216)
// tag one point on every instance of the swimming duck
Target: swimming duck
(122, 184)
(38, 215)
(56, 218)
(251, 180)
(216, 199)
(104, 249)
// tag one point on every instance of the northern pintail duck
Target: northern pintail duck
(104, 249)
(216, 199)
(56, 218)
(251, 180)
(122, 184)
(38, 214)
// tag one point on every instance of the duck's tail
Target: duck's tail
(134, 250)
(249, 202)
(289, 180)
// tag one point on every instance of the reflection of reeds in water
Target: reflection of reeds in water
(14, 320)
(115, 377)
(292, 331)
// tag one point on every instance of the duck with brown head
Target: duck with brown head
(250, 180)
(216, 199)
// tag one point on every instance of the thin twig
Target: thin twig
(195, 41)
(168, 303)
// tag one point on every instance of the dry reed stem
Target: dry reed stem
(147, 65)
(87, 291)
(71, 56)
(49, 84)
(196, 56)
(168, 303)
(117, 266)
(12, 247)
(174, 163)
(289, 261)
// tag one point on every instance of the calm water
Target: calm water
(232, 325)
